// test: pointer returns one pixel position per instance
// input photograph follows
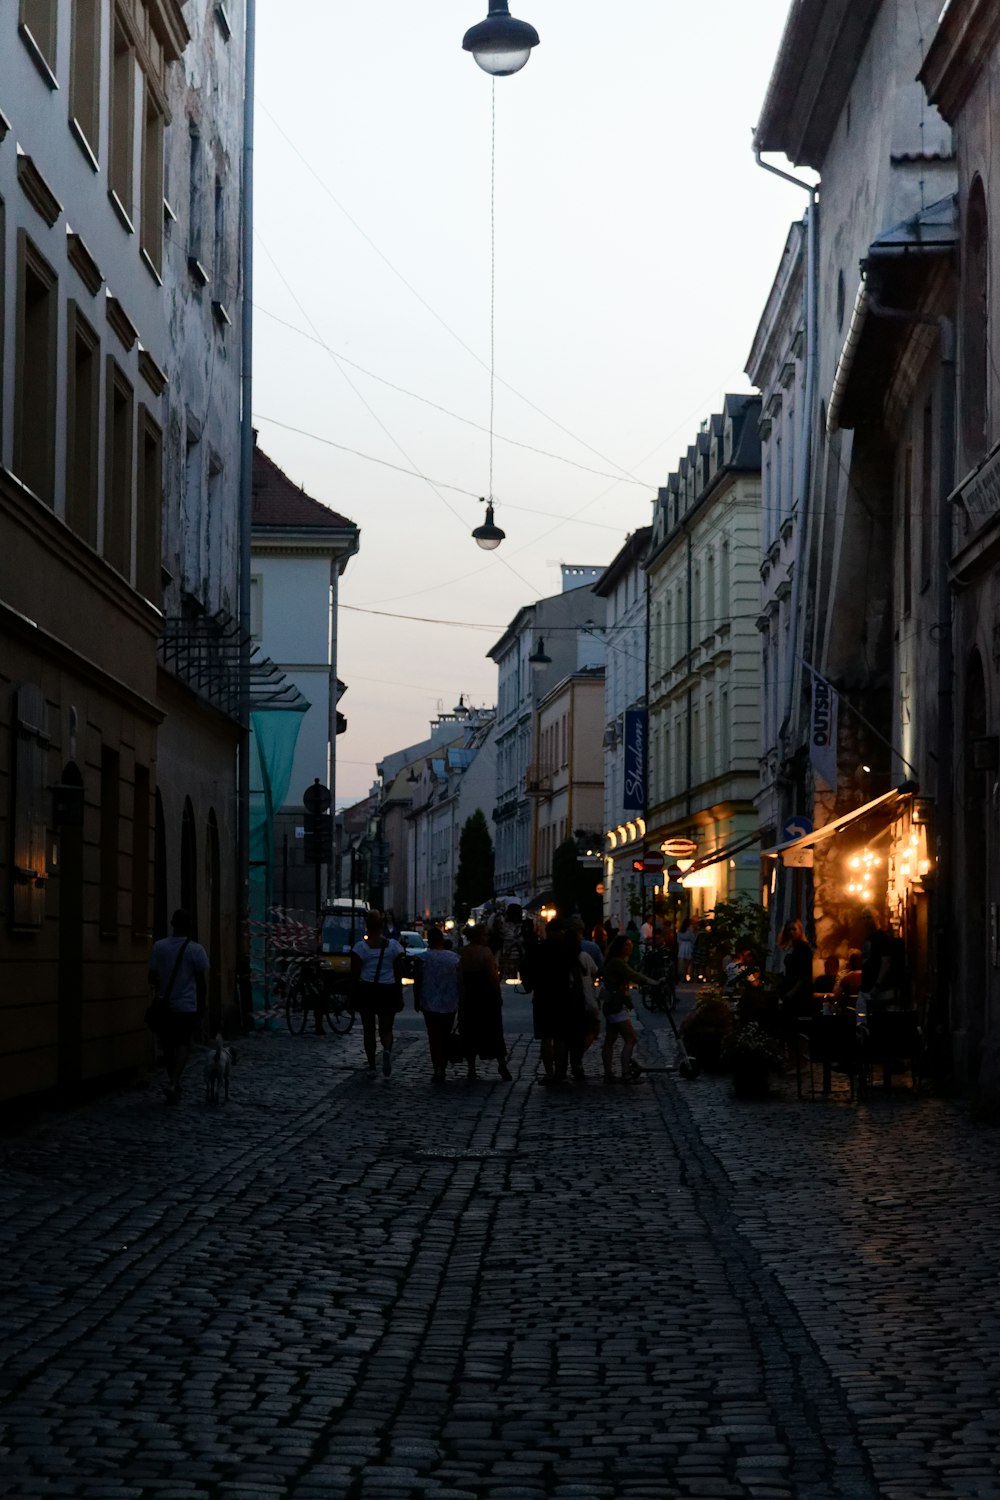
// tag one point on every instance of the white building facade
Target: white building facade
(623, 587)
(567, 630)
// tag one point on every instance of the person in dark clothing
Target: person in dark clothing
(480, 1010)
(557, 992)
(797, 977)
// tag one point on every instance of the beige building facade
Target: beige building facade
(566, 780)
(704, 659)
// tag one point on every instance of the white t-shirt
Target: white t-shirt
(184, 990)
(439, 981)
(369, 960)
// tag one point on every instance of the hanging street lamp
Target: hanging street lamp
(540, 657)
(488, 536)
(500, 44)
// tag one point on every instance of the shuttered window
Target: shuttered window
(28, 862)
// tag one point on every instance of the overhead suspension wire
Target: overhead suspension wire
(493, 263)
(435, 489)
(433, 311)
(446, 411)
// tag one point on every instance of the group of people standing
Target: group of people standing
(575, 981)
(451, 988)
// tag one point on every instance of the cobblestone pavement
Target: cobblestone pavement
(342, 1289)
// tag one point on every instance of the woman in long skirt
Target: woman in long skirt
(480, 1013)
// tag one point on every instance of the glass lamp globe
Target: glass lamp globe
(488, 536)
(500, 45)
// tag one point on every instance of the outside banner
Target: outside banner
(823, 731)
(635, 760)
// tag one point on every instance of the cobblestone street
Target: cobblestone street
(336, 1287)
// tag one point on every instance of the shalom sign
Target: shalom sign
(635, 760)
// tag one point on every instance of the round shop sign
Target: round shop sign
(680, 848)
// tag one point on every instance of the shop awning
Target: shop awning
(728, 851)
(836, 825)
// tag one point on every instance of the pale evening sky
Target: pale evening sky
(636, 242)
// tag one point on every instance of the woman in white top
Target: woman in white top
(377, 980)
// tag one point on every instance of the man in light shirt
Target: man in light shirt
(437, 996)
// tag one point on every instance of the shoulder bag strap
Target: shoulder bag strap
(378, 967)
(173, 973)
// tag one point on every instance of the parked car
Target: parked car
(414, 946)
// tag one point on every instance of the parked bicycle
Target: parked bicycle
(310, 987)
(662, 994)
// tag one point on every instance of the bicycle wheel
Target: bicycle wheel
(297, 1002)
(340, 1014)
(651, 1000)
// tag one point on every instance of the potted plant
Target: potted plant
(752, 1056)
(707, 1027)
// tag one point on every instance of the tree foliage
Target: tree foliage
(474, 879)
(573, 884)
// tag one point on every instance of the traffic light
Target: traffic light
(318, 843)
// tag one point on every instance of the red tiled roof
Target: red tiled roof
(279, 502)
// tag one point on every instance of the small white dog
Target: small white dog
(218, 1067)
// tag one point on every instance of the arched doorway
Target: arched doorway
(215, 926)
(69, 830)
(161, 912)
(189, 866)
(975, 812)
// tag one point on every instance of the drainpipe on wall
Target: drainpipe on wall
(333, 872)
(946, 884)
(789, 724)
(244, 531)
(690, 655)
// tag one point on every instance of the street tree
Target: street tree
(474, 880)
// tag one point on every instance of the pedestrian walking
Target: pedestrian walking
(377, 963)
(557, 1000)
(616, 980)
(480, 1011)
(437, 987)
(685, 947)
(795, 985)
(585, 1026)
(177, 969)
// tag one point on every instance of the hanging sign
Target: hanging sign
(635, 760)
(823, 732)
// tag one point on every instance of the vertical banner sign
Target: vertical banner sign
(635, 761)
(823, 731)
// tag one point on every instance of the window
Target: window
(110, 808)
(34, 385)
(150, 507)
(926, 496)
(906, 531)
(194, 196)
(141, 808)
(975, 324)
(118, 472)
(257, 613)
(710, 614)
(82, 417)
(85, 75)
(151, 223)
(28, 804)
(38, 30)
(219, 255)
(122, 126)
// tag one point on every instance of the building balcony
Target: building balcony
(537, 781)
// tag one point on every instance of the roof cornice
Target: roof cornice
(968, 32)
(817, 58)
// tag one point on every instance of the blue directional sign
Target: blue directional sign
(796, 828)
